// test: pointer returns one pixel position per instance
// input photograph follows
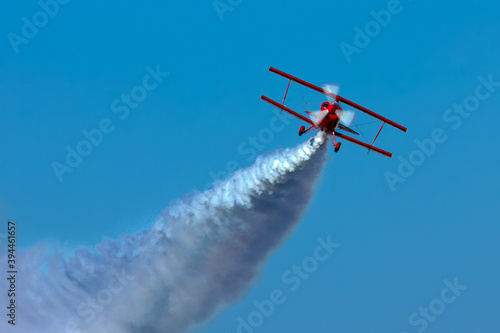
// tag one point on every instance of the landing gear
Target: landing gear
(337, 146)
(302, 130)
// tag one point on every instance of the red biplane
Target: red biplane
(331, 118)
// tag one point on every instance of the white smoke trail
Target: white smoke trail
(200, 253)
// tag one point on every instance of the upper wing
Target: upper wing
(370, 147)
(284, 108)
(339, 98)
(371, 113)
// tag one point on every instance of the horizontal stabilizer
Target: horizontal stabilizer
(347, 129)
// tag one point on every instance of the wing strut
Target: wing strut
(376, 136)
(286, 92)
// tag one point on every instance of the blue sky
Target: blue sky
(398, 244)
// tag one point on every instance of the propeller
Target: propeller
(348, 116)
(333, 89)
(317, 116)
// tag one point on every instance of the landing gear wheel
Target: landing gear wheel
(337, 146)
(302, 130)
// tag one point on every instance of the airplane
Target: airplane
(331, 118)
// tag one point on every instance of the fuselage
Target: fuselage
(330, 120)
